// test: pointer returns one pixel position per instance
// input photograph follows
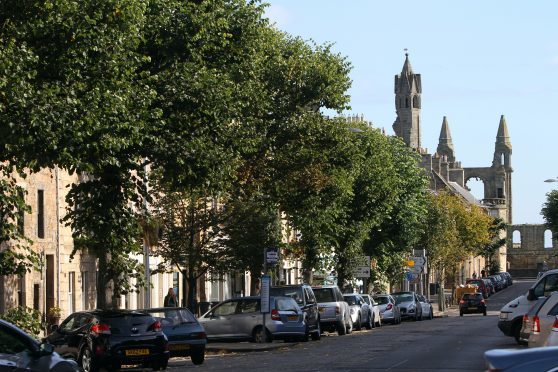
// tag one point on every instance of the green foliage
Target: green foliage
(25, 318)
(550, 212)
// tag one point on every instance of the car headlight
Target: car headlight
(504, 315)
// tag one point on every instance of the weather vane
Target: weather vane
(406, 51)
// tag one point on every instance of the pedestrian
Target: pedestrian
(475, 275)
(170, 299)
(483, 274)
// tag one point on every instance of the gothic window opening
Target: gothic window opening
(41, 214)
(516, 239)
(407, 102)
(548, 239)
(416, 103)
(500, 192)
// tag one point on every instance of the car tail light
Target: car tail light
(536, 328)
(202, 335)
(482, 301)
(155, 327)
(555, 325)
(389, 307)
(275, 315)
(101, 329)
(337, 310)
(461, 302)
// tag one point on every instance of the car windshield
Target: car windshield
(324, 295)
(402, 297)
(382, 300)
(351, 300)
(294, 292)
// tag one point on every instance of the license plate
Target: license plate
(472, 308)
(292, 317)
(134, 352)
(179, 347)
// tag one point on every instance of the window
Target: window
(548, 239)
(500, 193)
(71, 292)
(546, 286)
(41, 214)
(516, 239)
(36, 296)
(249, 306)
(21, 291)
(227, 308)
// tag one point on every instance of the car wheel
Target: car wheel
(317, 334)
(370, 322)
(358, 325)
(86, 361)
(198, 356)
(431, 315)
(461, 313)
(261, 335)
(484, 313)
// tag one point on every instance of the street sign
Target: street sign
(272, 255)
(264, 294)
(362, 272)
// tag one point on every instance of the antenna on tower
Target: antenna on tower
(406, 51)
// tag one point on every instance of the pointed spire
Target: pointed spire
(407, 69)
(445, 144)
(503, 138)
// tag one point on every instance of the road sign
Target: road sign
(272, 255)
(420, 261)
(362, 272)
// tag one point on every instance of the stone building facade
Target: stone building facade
(531, 249)
(444, 171)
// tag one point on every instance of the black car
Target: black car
(21, 352)
(111, 339)
(186, 335)
(305, 298)
(472, 303)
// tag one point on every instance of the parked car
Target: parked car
(543, 320)
(361, 315)
(409, 305)
(507, 276)
(427, 310)
(334, 310)
(472, 303)
(489, 286)
(111, 339)
(552, 339)
(497, 282)
(185, 334)
(389, 311)
(527, 324)
(375, 310)
(305, 298)
(21, 352)
(510, 360)
(482, 288)
(511, 314)
(241, 319)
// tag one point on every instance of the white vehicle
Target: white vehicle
(359, 310)
(375, 309)
(511, 315)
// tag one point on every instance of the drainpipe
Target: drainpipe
(57, 177)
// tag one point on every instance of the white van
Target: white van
(511, 315)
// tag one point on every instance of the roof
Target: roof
(466, 194)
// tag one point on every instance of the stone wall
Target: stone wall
(528, 254)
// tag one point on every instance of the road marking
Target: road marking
(397, 364)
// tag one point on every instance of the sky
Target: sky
(478, 60)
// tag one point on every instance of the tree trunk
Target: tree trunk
(102, 282)
(192, 286)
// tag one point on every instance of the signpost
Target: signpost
(363, 270)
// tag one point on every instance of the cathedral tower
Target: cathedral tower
(407, 105)
(445, 144)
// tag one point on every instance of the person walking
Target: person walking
(170, 299)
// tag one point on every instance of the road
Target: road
(451, 343)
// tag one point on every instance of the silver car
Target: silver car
(241, 319)
(543, 321)
(427, 310)
(374, 309)
(361, 315)
(334, 310)
(389, 311)
(409, 305)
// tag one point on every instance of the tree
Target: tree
(497, 227)
(252, 225)
(550, 211)
(16, 257)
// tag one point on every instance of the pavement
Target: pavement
(214, 348)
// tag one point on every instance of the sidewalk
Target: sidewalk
(244, 347)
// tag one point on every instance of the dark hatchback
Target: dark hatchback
(185, 334)
(472, 303)
(111, 339)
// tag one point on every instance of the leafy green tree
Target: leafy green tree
(550, 211)
(16, 257)
(497, 228)
(252, 225)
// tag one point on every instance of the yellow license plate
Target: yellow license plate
(292, 317)
(134, 352)
(179, 347)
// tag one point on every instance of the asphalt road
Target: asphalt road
(451, 343)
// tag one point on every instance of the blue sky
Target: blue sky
(478, 60)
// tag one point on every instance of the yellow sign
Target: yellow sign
(410, 263)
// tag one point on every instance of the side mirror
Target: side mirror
(531, 295)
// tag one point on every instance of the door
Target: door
(68, 337)
(248, 317)
(218, 322)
